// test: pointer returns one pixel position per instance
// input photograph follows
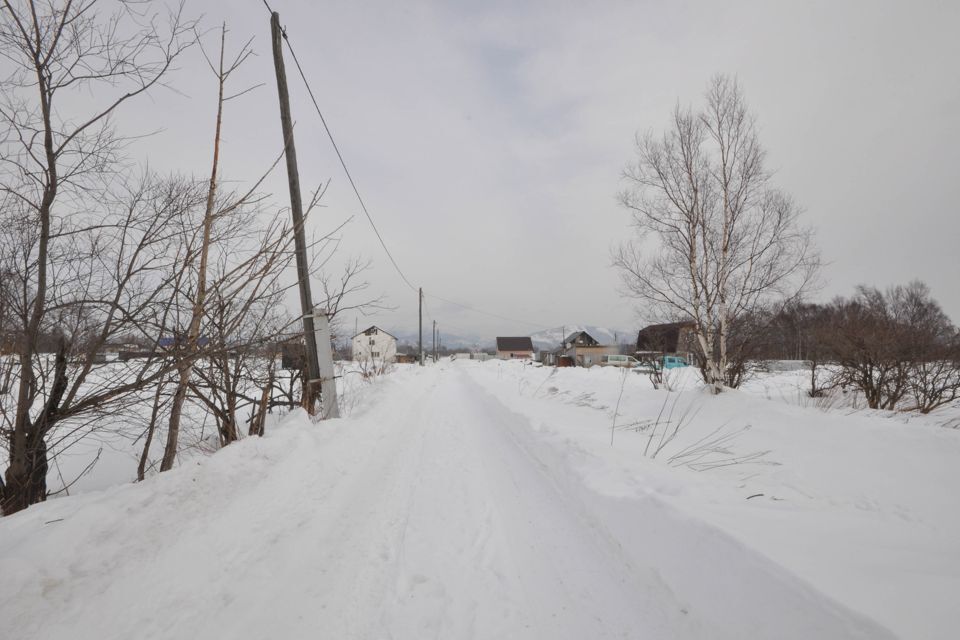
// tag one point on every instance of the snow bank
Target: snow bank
(860, 505)
(224, 546)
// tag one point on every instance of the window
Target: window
(373, 341)
(375, 354)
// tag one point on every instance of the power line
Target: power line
(343, 163)
(363, 205)
(486, 313)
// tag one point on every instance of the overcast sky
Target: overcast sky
(488, 139)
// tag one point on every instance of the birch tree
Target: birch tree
(715, 239)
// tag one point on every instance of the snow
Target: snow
(484, 500)
(859, 504)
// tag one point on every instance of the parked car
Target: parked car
(619, 361)
(674, 362)
(651, 362)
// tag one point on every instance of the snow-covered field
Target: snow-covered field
(486, 500)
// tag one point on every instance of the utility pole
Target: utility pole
(330, 406)
(420, 358)
(296, 212)
(434, 341)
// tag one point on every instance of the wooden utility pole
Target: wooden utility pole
(312, 372)
(421, 327)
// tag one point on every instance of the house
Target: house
(670, 337)
(514, 348)
(584, 350)
(374, 345)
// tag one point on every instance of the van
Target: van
(619, 361)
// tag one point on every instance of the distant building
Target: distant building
(179, 341)
(668, 338)
(374, 345)
(548, 356)
(584, 350)
(293, 353)
(519, 348)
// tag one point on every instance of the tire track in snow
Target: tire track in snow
(575, 579)
(674, 562)
(438, 513)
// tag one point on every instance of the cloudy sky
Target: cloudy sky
(488, 139)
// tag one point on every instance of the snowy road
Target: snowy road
(437, 513)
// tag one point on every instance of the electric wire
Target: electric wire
(363, 205)
(343, 162)
(486, 313)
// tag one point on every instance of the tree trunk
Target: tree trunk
(154, 414)
(25, 481)
(22, 487)
(173, 426)
(193, 333)
(257, 424)
(714, 373)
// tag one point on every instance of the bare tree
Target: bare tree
(108, 280)
(187, 355)
(896, 344)
(802, 332)
(933, 344)
(715, 240)
(870, 348)
(52, 160)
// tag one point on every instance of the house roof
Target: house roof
(668, 326)
(661, 337)
(585, 338)
(373, 329)
(514, 344)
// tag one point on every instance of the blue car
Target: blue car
(674, 362)
(651, 362)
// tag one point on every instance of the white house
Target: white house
(374, 345)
